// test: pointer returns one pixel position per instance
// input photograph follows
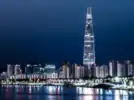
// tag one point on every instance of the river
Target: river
(17, 92)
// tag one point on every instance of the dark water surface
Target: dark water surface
(61, 93)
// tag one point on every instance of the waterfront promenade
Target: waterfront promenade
(115, 83)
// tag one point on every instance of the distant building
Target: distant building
(17, 69)
(110, 69)
(81, 71)
(125, 68)
(97, 69)
(130, 68)
(50, 71)
(52, 75)
(61, 74)
(49, 68)
(3, 75)
(65, 70)
(86, 71)
(105, 70)
(10, 70)
(77, 71)
(102, 71)
(119, 69)
(29, 69)
(93, 70)
(38, 69)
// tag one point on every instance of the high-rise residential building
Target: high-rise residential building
(119, 69)
(65, 70)
(105, 70)
(89, 45)
(93, 70)
(10, 70)
(86, 71)
(97, 69)
(101, 72)
(17, 69)
(125, 68)
(130, 69)
(110, 69)
(68, 73)
(82, 71)
(77, 71)
(73, 71)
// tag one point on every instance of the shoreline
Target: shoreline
(69, 86)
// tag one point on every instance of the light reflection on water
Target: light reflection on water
(17, 92)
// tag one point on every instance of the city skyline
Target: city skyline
(26, 39)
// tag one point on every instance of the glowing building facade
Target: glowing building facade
(89, 45)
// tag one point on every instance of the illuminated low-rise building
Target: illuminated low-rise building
(38, 69)
(52, 75)
(29, 69)
(61, 74)
(49, 71)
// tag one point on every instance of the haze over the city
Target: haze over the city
(52, 31)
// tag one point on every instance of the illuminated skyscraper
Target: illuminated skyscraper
(89, 46)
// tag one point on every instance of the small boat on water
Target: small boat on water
(104, 86)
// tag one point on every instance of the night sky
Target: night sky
(51, 31)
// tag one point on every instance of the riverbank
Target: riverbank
(121, 87)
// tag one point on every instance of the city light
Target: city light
(88, 74)
(117, 79)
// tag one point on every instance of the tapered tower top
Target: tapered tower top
(89, 46)
(89, 13)
(89, 10)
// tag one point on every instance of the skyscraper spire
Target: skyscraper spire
(89, 46)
